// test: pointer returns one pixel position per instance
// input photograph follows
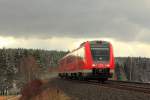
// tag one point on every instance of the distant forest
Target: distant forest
(132, 69)
(24, 65)
(20, 66)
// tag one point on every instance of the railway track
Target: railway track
(123, 85)
(130, 86)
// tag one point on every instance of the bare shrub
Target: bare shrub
(31, 89)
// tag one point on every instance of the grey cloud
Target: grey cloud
(118, 19)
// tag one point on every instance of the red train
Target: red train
(92, 60)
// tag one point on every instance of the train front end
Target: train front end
(102, 59)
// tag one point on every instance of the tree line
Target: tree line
(23, 65)
(133, 69)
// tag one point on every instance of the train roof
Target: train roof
(82, 44)
(95, 42)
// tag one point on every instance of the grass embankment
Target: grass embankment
(41, 90)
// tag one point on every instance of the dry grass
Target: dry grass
(3, 97)
(41, 90)
(9, 97)
(51, 94)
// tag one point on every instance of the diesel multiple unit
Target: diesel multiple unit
(91, 60)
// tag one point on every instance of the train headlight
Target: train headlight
(107, 65)
(93, 65)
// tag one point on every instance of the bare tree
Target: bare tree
(29, 69)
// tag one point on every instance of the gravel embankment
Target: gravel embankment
(82, 91)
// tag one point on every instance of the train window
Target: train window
(100, 53)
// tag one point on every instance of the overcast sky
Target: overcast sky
(64, 24)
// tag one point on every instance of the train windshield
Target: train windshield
(100, 53)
